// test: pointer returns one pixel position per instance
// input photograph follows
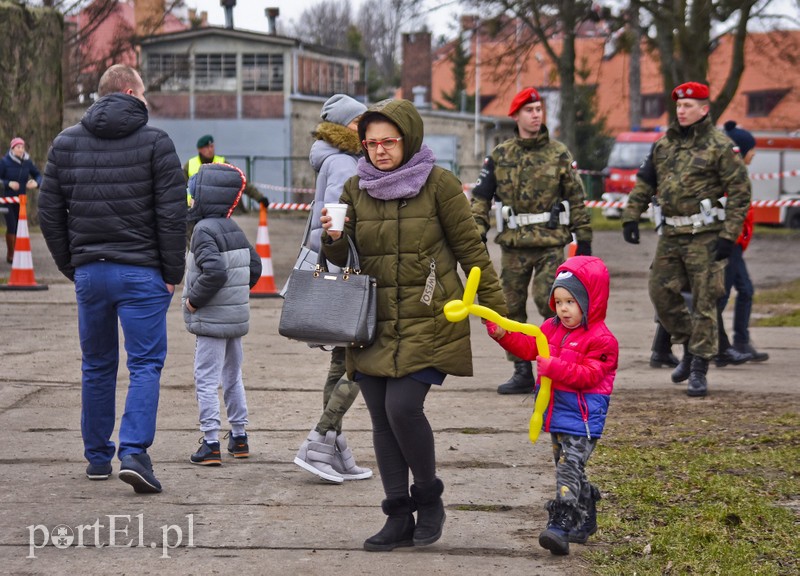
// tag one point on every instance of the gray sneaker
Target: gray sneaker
(318, 454)
(345, 462)
(137, 470)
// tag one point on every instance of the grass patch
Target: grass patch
(779, 305)
(715, 490)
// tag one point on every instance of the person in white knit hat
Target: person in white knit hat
(333, 156)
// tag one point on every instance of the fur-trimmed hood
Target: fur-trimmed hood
(338, 136)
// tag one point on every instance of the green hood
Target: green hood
(402, 114)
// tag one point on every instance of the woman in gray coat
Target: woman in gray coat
(333, 156)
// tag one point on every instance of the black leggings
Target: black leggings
(401, 434)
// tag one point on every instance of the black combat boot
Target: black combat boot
(399, 528)
(521, 382)
(430, 513)
(563, 519)
(698, 386)
(662, 356)
(681, 373)
(580, 534)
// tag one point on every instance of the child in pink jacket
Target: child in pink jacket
(582, 366)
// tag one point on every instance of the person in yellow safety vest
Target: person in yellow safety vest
(207, 155)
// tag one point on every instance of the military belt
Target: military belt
(527, 219)
(697, 220)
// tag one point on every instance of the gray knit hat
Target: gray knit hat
(570, 282)
(341, 109)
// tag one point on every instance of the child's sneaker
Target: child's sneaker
(207, 455)
(237, 445)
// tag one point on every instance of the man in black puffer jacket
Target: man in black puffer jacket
(113, 212)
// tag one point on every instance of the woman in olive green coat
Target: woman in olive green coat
(412, 226)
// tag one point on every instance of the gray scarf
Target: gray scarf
(403, 182)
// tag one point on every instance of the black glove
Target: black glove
(630, 231)
(724, 248)
(584, 248)
(264, 202)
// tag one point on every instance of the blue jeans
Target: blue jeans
(138, 298)
(736, 276)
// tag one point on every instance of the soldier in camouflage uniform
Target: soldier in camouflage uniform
(535, 180)
(691, 169)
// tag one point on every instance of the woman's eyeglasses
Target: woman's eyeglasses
(386, 143)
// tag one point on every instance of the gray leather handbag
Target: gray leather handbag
(330, 308)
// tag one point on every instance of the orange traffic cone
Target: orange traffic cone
(265, 287)
(572, 247)
(22, 277)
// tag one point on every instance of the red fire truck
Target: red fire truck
(629, 151)
(774, 173)
(775, 180)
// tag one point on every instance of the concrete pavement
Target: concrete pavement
(264, 515)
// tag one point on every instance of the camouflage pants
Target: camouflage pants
(571, 453)
(338, 395)
(682, 261)
(518, 266)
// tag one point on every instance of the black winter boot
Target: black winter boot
(580, 534)
(662, 355)
(430, 513)
(681, 373)
(698, 386)
(399, 528)
(521, 382)
(563, 519)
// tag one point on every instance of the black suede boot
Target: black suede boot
(430, 513)
(662, 355)
(681, 373)
(521, 382)
(698, 386)
(399, 528)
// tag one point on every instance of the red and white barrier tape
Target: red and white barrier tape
(9, 200)
(775, 175)
(588, 203)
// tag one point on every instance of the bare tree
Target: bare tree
(324, 22)
(86, 60)
(686, 33)
(547, 22)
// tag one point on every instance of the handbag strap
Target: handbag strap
(307, 233)
(353, 265)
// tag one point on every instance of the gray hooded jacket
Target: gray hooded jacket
(221, 266)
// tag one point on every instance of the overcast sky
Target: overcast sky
(441, 15)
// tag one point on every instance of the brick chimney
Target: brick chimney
(417, 66)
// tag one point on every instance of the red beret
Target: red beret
(693, 90)
(525, 97)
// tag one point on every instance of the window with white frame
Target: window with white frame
(215, 72)
(166, 72)
(262, 72)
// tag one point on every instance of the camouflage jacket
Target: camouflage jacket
(687, 166)
(531, 175)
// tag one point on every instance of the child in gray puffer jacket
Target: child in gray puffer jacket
(221, 268)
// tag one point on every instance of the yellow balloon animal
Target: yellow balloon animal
(458, 310)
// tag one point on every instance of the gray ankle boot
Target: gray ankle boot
(345, 463)
(318, 454)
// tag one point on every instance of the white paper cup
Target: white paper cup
(337, 212)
